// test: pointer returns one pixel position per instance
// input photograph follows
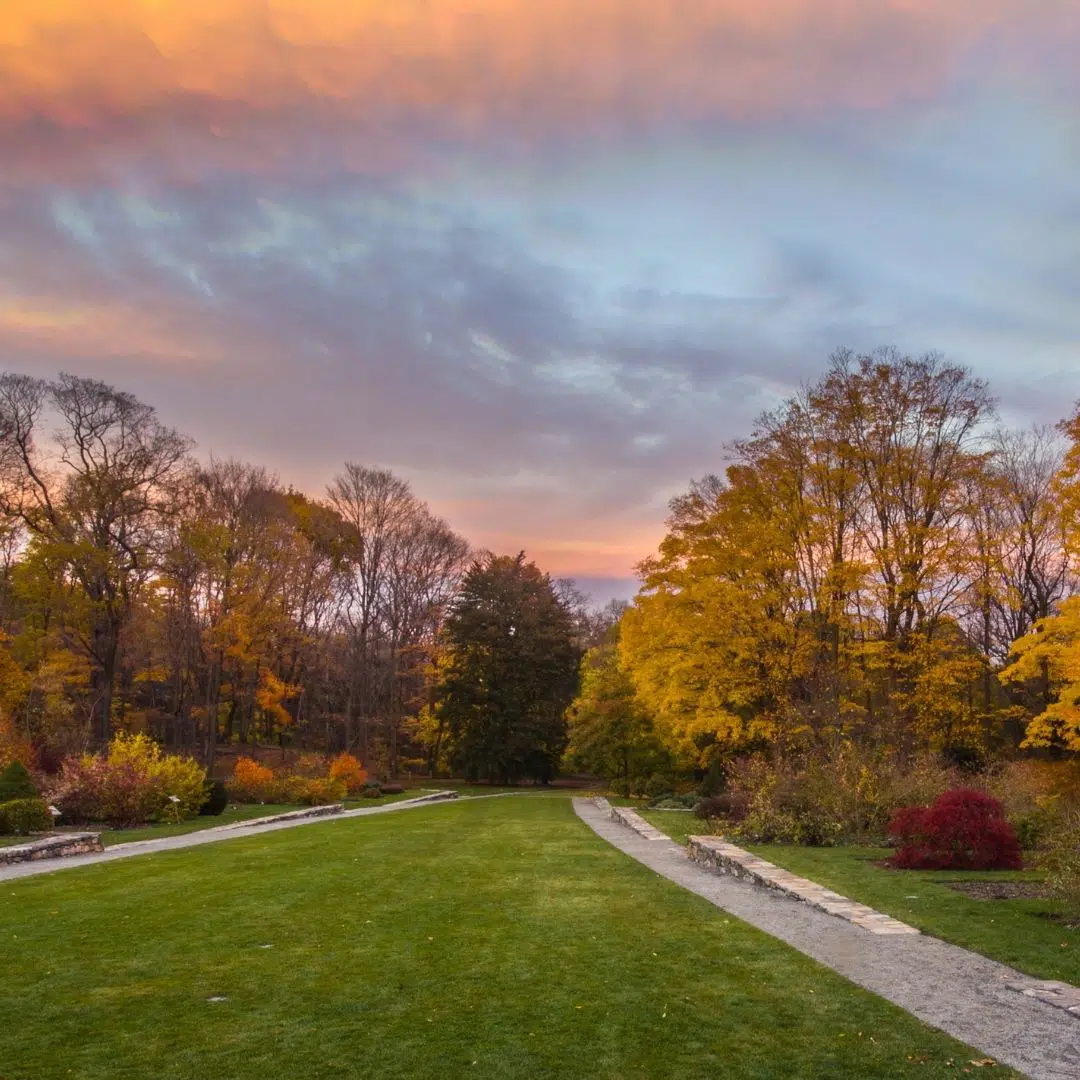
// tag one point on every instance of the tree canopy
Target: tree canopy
(860, 572)
(510, 671)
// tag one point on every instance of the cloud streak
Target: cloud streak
(367, 86)
(545, 259)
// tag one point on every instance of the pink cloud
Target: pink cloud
(193, 84)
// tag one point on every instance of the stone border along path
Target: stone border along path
(718, 855)
(723, 858)
(207, 836)
(290, 815)
(968, 996)
(51, 847)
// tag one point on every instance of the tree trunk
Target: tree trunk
(103, 677)
(213, 704)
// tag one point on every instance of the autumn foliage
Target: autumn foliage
(964, 829)
(251, 782)
(130, 784)
(255, 783)
(346, 769)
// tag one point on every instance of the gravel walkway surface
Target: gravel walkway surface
(205, 836)
(960, 992)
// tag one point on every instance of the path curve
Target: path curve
(960, 992)
(214, 835)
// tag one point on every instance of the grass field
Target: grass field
(489, 938)
(1016, 932)
(233, 813)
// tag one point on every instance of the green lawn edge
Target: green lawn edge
(497, 938)
(1015, 932)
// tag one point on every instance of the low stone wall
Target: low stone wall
(724, 858)
(633, 820)
(433, 796)
(338, 808)
(52, 847)
(292, 815)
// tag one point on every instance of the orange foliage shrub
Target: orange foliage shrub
(320, 791)
(13, 746)
(349, 771)
(252, 782)
(312, 765)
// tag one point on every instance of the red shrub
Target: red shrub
(964, 830)
(91, 788)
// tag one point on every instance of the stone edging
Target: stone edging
(633, 820)
(338, 808)
(1059, 994)
(291, 815)
(718, 855)
(420, 800)
(52, 847)
(434, 796)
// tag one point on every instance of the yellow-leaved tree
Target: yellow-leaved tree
(712, 641)
(1051, 651)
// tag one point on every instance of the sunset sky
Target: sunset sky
(544, 258)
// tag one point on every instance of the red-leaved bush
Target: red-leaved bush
(963, 830)
(132, 783)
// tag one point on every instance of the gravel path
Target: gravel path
(960, 992)
(204, 836)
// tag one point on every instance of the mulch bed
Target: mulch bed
(1001, 890)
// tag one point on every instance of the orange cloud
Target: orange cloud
(224, 68)
(102, 332)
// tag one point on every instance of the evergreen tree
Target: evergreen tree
(16, 783)
(511, 672)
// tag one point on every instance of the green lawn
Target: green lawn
(1016, 932)
(244, 812)
(496, 938)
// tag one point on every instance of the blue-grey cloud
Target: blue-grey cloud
(551, 342)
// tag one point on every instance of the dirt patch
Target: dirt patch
(1001, 890)
(1066, 921)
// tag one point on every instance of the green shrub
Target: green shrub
(806, 825)
(372, 791)
(217, 798)
(658, 785)
(17, 783)
(673, 802)
(1061, 861)
(1034, 826)
(20, 817)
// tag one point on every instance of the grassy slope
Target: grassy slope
(498, 938)
(1012, 931)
